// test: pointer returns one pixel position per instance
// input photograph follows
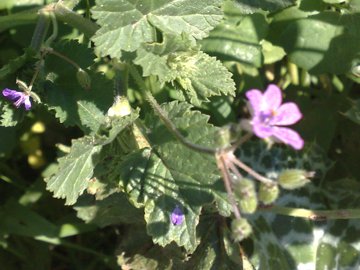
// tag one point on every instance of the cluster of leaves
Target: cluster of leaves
(124, 172)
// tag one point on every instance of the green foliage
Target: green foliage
(139, 21)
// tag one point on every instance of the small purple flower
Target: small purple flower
(17, 98)
(177, 216)
(269, 116)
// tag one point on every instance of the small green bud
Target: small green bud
(356, 70)
(120, 108)
(228, 134)
(294, 178)
(268, 193)
(83, 79)
(244, 190)
(241, 229)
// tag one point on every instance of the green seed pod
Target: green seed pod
(241, 229)
(244, 190)
(294, 178)
(83, 79)
(228, 134)
(268, 193)
(356, 71)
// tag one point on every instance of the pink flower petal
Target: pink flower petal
(27, 103)
(272, 98)
(262, 131)
(255, 98)
(12, 94)
(287, 114)
(288, 136)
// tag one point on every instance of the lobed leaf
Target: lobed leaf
(126, 24)
(170, 174)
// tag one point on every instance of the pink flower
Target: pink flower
(17, 98)
(269, 116)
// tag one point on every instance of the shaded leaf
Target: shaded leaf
(324, 42)
(238, 38)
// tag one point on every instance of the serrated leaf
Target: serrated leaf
(9, 115)
(238, 38)
(170, 174)
(77, 168)
(200, 75)
(324, 42)
(126, 24)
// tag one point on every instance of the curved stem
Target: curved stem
(313, 214)
(171, 127)
(67, 59)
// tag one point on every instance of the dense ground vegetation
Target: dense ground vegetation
(131, 134)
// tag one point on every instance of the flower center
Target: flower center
(267, 116)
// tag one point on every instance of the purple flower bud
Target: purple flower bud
(17, 98)
(177, 216)
(269, 117)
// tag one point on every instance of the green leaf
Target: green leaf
(325, 42)
(238, 38)
(270, 162)
(72, 104)
(159, 179)
(9, 115)
(200, 75)
(252, 6)
(126, 24)
(77, 168)
(217, 250)
(354, 113)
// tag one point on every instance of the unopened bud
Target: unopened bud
(227, 135)
(120, 108)
(83, 79)
(268, 193)
(241, 229)
(244, 190)
(356, 71)
(294, 178)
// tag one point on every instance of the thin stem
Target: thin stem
(250, 171)
(171, 127)
(64, 14)
(313, 214)
(221, 163)
(39, 32)
(67, 59)
(55, 30)
(233, 168)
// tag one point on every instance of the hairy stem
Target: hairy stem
(250, 171)
(171, 127)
